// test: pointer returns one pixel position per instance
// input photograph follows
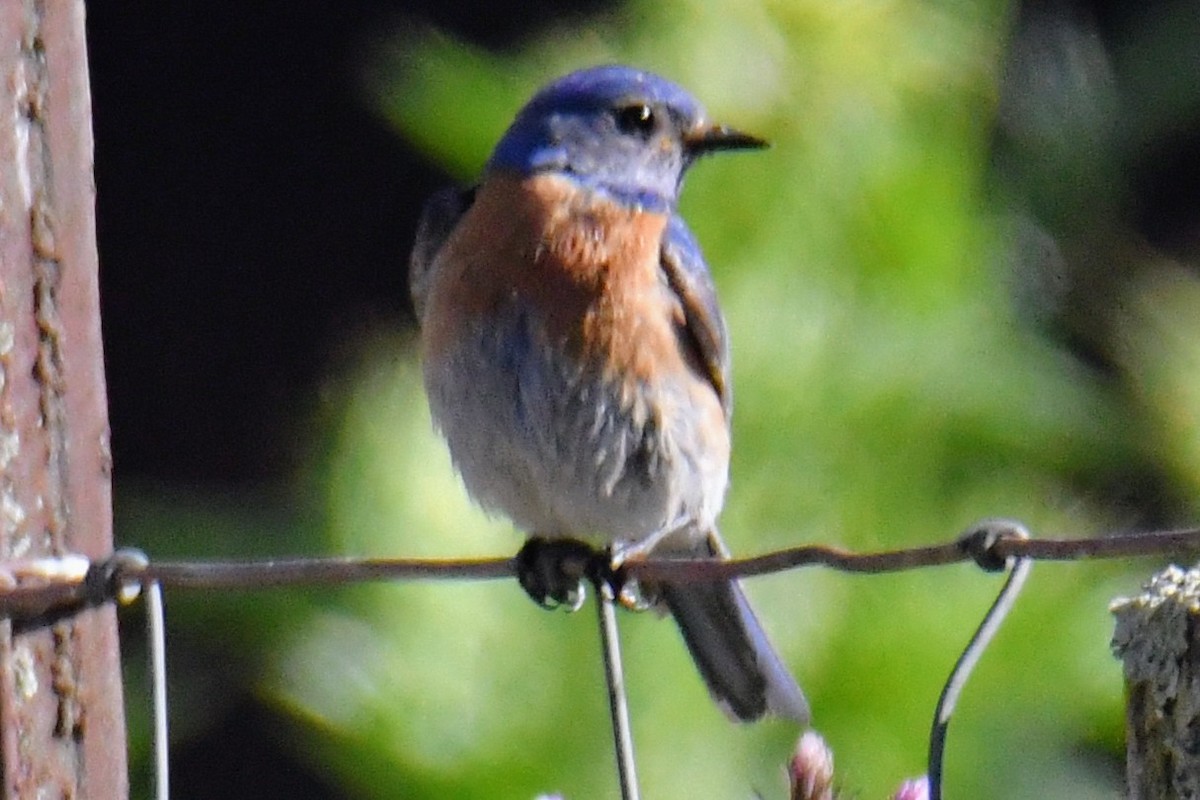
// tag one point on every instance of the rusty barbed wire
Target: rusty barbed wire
(33, 591)
(39, 587)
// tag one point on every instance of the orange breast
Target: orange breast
(587, 267)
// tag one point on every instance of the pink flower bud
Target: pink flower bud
(915, 789)
(811, 769)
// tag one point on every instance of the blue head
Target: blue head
(627, 133)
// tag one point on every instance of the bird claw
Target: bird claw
(629, 593)
(633, 597)
(554, 572)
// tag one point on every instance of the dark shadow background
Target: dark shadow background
(252, 209)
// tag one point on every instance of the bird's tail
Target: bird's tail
(744, 673)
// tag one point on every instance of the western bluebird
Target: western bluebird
(575, 357)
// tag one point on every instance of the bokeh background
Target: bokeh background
(961, 284)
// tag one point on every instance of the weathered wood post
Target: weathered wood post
(61, 718)
(1156, 637)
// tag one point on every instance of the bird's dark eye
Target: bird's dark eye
(637, 119)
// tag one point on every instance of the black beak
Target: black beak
(711, 138)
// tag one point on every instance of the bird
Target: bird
(576, 360)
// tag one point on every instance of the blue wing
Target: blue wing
(440, 215)
(704, 327)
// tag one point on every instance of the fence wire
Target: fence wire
(38, 591)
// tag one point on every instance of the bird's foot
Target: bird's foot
(632, 596)
(630, 593)
(555, 572)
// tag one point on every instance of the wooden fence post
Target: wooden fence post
(1156, 637)
(62, 730)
